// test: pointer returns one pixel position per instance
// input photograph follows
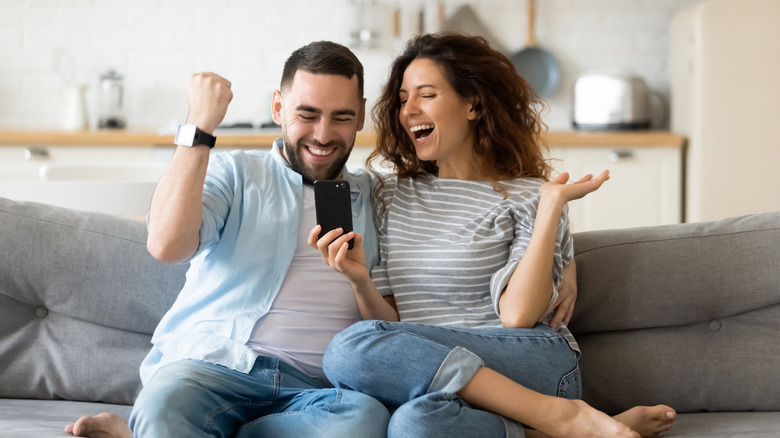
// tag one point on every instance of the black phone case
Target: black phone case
(333, 206)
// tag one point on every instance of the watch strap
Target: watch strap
(202, 138)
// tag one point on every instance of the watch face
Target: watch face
(185, 135)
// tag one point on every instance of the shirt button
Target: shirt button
(354, 214)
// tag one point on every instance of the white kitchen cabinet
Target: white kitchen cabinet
(115, 180)
(116, 172)
(31, 163)
(644, 189)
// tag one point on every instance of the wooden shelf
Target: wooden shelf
(615, 138)
(264, 138)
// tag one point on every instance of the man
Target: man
(240, 351)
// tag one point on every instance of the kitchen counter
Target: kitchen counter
(61, 168)
(264, 138)
(227, 138)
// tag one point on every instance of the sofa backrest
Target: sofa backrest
(686, 315)
(79, 299)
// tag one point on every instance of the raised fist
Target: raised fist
(209, 97)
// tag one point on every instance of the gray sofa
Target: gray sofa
(686, 315)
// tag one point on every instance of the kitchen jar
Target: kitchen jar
(111, 91)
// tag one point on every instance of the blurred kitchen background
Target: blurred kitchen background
(155, 44)
(678, 98)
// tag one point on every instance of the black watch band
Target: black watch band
(201, 138)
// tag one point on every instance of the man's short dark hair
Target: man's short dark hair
(323, 57)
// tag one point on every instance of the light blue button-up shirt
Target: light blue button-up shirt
(252, 211)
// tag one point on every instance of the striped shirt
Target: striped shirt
(448, 247)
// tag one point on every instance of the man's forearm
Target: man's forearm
(177, 206)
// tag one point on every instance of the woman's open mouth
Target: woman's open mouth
(421, 132)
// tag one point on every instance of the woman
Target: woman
(474, 239)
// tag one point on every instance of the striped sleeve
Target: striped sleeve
(567, 241)
(523, 229)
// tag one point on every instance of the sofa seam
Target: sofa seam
(656, 240)
(73, 227)
(65, 315)
(675, 326)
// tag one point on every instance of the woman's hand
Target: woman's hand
(527, 295)
(335, 252)
(557, 189)
(567, 296)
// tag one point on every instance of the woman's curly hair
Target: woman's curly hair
(509, 128)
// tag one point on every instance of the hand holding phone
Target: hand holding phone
(333, 206)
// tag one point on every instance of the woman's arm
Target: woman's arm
(335, 252)
(528, 293)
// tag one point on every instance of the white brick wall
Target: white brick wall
(155, 44)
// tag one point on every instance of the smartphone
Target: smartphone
(333, 206)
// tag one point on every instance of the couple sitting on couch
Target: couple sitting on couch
(472, 274)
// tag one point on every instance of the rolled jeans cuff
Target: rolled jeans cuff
(513, 428)
(456, 370)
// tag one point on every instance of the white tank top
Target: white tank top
(313, 305)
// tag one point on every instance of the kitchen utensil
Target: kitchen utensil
(65, 66)
(75, 118)
(110, 103)
(362, 33)
(534, 64)
(466, 21)
(75, 111)
(607, 100)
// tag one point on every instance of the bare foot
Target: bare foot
(103, 425)
(648, 421)
(577, 419)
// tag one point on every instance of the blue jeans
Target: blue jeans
(419, 368)
(192, 398)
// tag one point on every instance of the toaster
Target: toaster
(604, 100)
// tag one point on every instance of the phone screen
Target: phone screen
(333, 206)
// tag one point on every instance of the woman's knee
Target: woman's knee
(367, 414)
(349, 351)
(407, 420)
(416, 419)
(430, 416)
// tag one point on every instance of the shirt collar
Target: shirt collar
(276, 152)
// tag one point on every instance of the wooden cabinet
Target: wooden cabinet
(645, 186)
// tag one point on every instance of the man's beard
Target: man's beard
(309, 176)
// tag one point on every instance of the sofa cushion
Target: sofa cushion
(79, 299)
(726, 425)
(47, 418)
(685, 315)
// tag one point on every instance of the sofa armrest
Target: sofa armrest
(685, 314)
(79, 299)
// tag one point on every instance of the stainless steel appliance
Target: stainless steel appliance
(605, 100)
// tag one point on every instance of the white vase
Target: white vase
(75, 117)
